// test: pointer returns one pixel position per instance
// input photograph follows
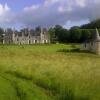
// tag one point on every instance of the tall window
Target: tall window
(45, 41)
(17, 39)
(91, 43)
(29, 41)
(35, 41)
(85, 45)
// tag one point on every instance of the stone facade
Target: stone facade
(26, 36)
(94, 44)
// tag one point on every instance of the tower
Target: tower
(96, 43)
(41, 36)
(13, 36)
(44, 36)
(4, 37)
(29, 36)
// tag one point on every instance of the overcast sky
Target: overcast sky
(47, 13)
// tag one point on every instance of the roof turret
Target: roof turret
(96, 36)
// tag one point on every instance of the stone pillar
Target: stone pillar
(13, 36)
(3, 38)
(41, 36)
(29, 37)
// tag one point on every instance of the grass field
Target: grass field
(48, 72)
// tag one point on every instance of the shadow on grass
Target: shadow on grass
(52, 89)
(74, 50)
(19, 92)
(59, 92)
(19, 75)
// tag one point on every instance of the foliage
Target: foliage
(92, 25)
(74, 35)
(1, 34)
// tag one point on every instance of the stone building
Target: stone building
(26, 36)
(93, 45)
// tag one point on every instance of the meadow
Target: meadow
(48, 72)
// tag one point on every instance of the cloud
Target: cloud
(32, 8)
(52, 12)
(49, 2)
(5, 15)
(81, 3)
(4, 9)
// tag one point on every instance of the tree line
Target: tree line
(73, 35)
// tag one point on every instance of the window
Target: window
(45, 41)
(85, 45)
(29, 41)
(91, 43)
(35, 41)
(17, 39)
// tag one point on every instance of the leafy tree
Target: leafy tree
(92, 25)
(53, 37)
(75, 35)
(64, 36)
(86, 35)
(61, 34)
(1, 34)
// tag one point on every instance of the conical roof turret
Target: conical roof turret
(96, 36)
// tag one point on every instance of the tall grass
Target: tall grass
(40, 72)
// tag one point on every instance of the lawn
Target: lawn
(48, 72)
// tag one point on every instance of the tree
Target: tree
(92, 25)
(63, 36)
(53, 37)
(86, 35)
(58, 31)
(75, 35)
(1, 35)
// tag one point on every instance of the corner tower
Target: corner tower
(96, 42)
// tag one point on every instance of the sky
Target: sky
(47, 13)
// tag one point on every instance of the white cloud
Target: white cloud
(81, 3)
(70, 23)
(33, 7)
(63, 9)
(52, 12)
(6, 16)
(49, 2)
(4, 9)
